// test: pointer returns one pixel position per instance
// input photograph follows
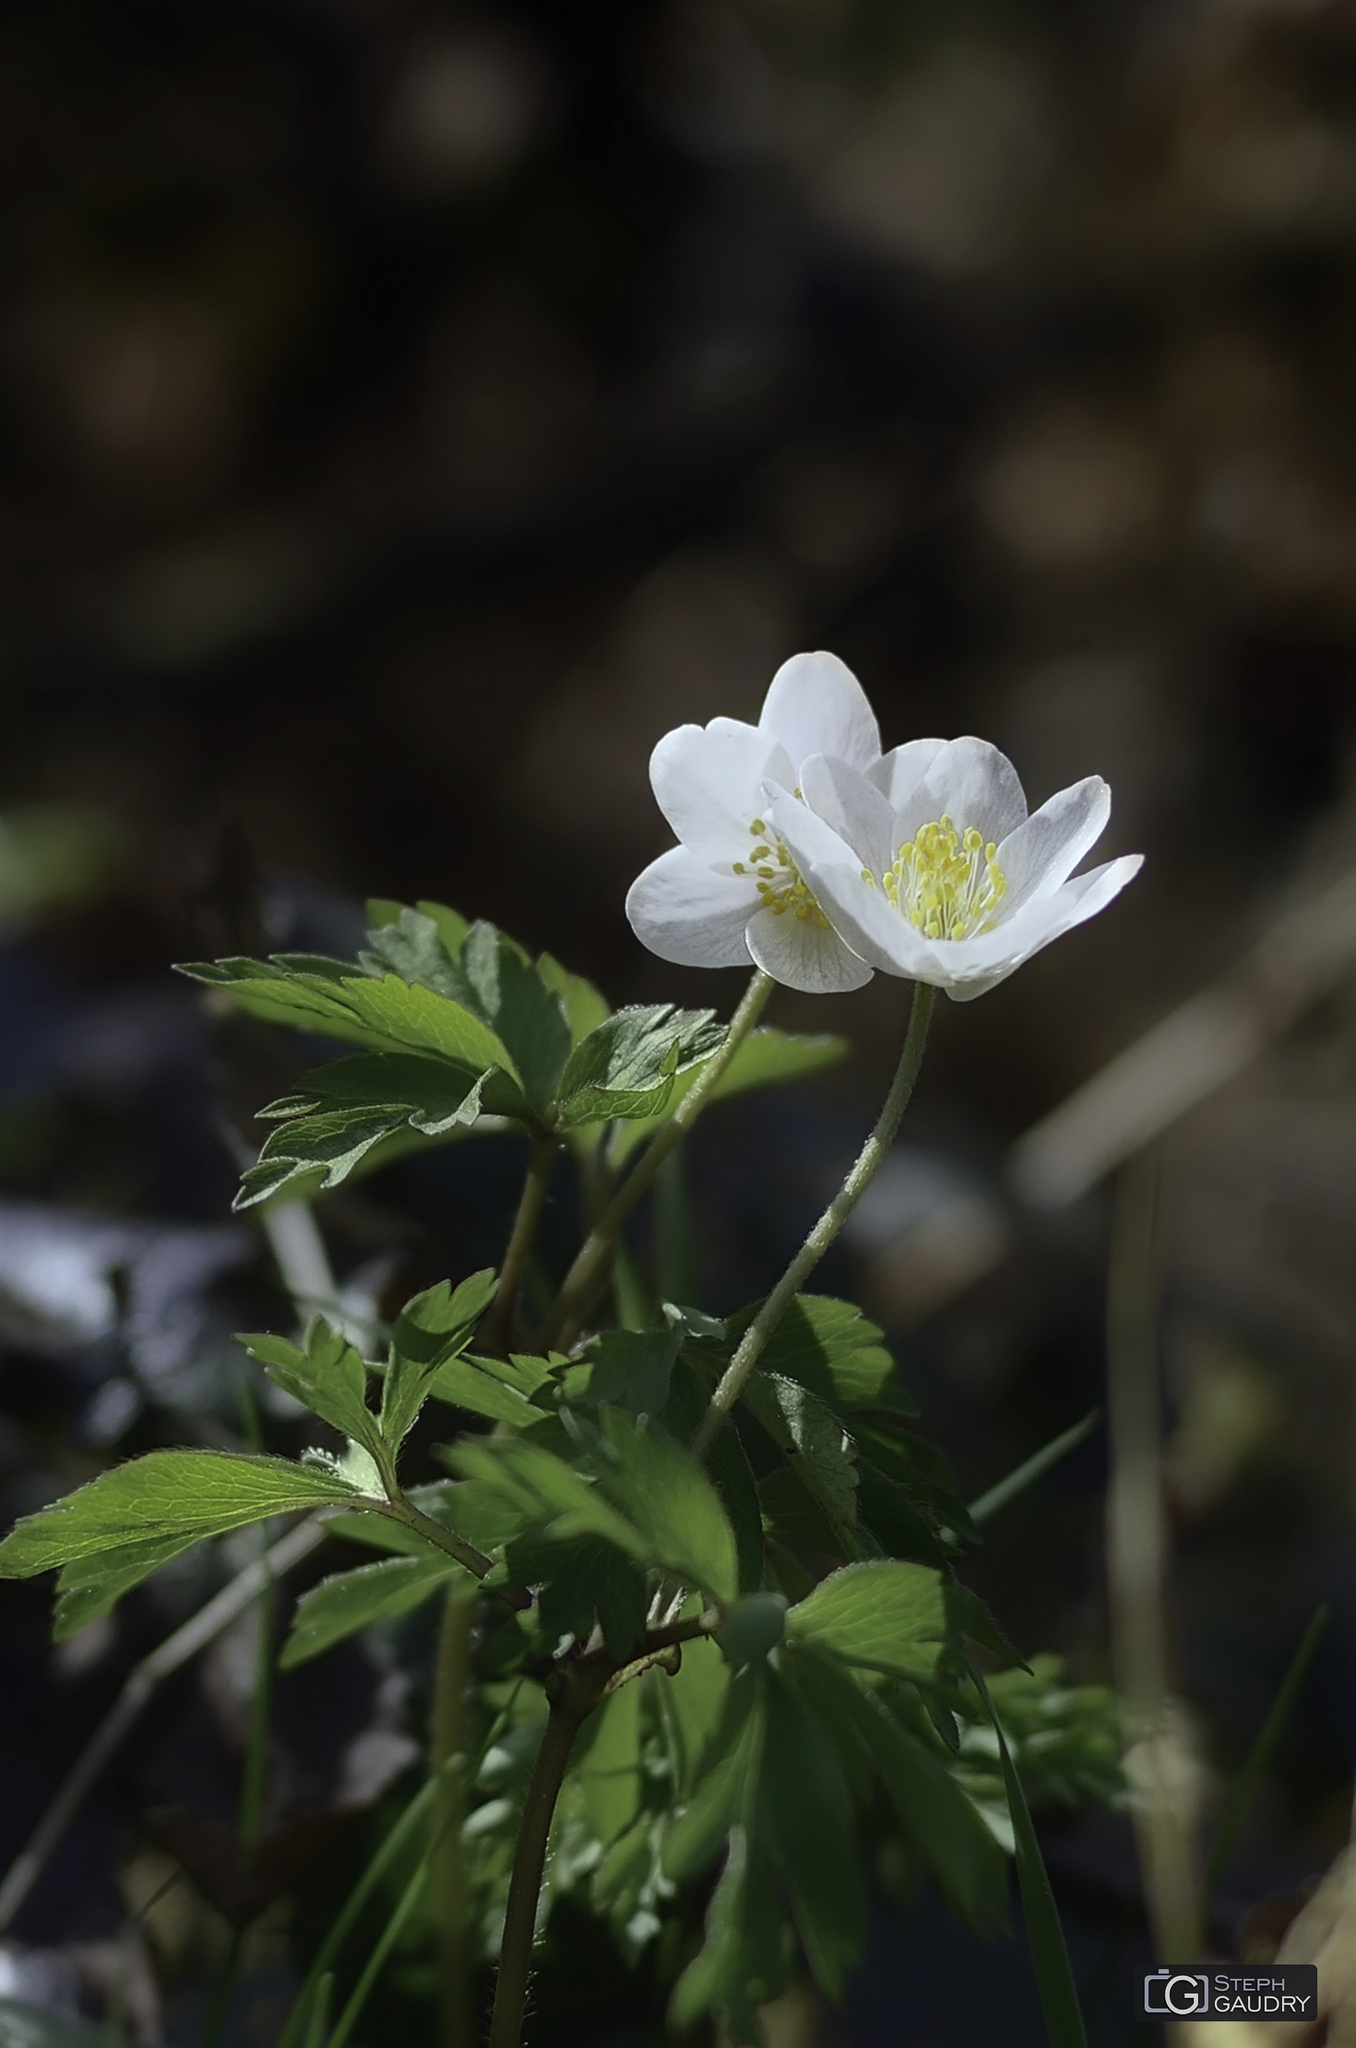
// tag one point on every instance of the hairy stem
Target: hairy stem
(750, 1347)
(563, 1723)
(498, 1333)
(588, 1275)
(448, 1767)
(404, 1510)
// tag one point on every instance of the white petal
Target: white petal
(708, 781)
(815, 705)
(978, 965)
(900, 771)
(685, 913)
(864, 915)
(853, 806)
(800, 953)
(1045, 850)
(976, 785)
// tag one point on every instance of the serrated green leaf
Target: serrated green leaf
(690, 1703)
(668, 1497)
(386, 1014)
(548, 1493)
(464, 1385)
(112, 1533)
(501, 985)
(728, 1467)
(328, 1376)
(816, 1445)
(830, 1348)
(411, 946)
(627, 1064)
(578, 1583)
(804, 1816)
(430, 1330)
(886, 1615)
(348, 1601)
(452, 926)
(766, 1057)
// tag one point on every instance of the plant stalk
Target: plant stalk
(751, 1344)
(498, 1332)
(587, 1276)
(563, 1723)
(448, 1769)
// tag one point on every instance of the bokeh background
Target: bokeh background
(409, 412)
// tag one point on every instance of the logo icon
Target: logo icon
(1176, 1994)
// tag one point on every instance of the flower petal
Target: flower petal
(978, 965)
(685, 913)
(898, 773)
(1045, 850)
(976, 785)
(853, 806)
(708, 781)
(815, 705)
(863, 914)
(801, 953)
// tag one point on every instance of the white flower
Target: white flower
(929, 867)
(731, 890)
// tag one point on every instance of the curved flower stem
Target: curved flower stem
(563, 1723)
(736, 1374)
(587, 1275)
(498, 1334)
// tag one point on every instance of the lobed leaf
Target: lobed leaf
(626, 1066)
(328, 1376)
(349, 1601)
(766, 1057)
(884, 1614)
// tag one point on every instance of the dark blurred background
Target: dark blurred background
(409, 412)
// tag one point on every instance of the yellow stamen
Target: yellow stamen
(947, 883)
(779, 886)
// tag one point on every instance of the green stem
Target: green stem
(736, 1375)
(498, 1333)
(403, 1510)
(254, 1779)
(450, 1897)
(587, 1276)
(529, 1861)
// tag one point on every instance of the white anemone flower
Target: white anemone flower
(930, 868)
(731, 891)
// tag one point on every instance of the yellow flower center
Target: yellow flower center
(947, 883)
(777, 877)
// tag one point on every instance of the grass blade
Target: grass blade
(1033, 1468)
(1054, 1976)
(1260, 1755)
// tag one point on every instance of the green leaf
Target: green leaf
(766, 1057)
(1054, 1976)
(804, 1816)
(577, 1583)
(430, 1330)
(328, 1377)
(883, 1614)
(464, 1385)
(440, 1502)
(549, 1494)
(729, 1764)
(830, 1348)
(816, 1445)
(608, 1770)
(111, 1534)
(386, 1015)
(501, 985)
(452, 926)
(341, 1605)
(632, 1369)
(728, 1466)
(936, 1816)
(744, 1961)
(626, 1066)
(690, 1704)
(411, 945)
(340, 1114)
(669, 1498)
(585, 1007)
